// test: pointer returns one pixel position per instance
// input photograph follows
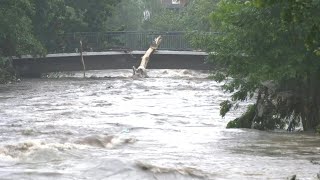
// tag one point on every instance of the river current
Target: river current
(163, 127)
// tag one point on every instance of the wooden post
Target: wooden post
(141, 70)
(82, 60)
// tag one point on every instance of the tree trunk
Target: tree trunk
(141, 70)
(311, 106)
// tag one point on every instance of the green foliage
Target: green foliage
(225, 107)
(245, 121)
(16, 33)
(195, 16)
(233, 124)
(54, 17)
(38, 23)
(128, 16)
(318, 129)
(93, 14)
(33, 26)
(269, 41)
(167, 20)
(6, 70)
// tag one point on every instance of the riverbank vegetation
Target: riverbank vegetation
(269, 50)
(33, 26)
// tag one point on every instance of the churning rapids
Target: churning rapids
(163, 127)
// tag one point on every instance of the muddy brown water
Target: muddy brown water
(163, 127)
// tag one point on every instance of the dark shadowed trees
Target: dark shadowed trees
(33, 26)
(269, 50)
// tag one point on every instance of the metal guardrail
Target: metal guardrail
(126, 40)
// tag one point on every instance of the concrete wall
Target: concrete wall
(33, 67)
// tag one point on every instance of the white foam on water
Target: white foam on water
(185, 172)
(127, 73)
(105, 141)
(37, 151)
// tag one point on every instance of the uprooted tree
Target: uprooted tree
(141, 71)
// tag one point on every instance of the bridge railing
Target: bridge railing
(104, 41)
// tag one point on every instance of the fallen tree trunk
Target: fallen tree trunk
(141, 70)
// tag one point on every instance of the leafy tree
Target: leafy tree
(16, 34)
(197, 15)
(269, 49)
(55, 17)
(128, 16)
(193, 17)
(93, 13)
(167, 20)
(34, 26)
(16, 31)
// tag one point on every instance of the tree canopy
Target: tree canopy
(33, 26)
(26, 25)
(269, 50)
(129, 16)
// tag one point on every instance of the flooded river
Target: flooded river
(165, 127)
